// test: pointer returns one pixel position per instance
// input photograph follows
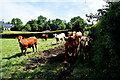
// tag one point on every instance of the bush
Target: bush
(106, 46)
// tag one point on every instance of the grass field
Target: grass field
(14, 64)
(13, 61)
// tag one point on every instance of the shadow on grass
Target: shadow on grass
(49, 71)
(16, 55)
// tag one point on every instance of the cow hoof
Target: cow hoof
(70, 54)
(65, 62)
(84, 58)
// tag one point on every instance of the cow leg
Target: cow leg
(72, 57)
(78, 50)
(62, 40)
(46, 39)
(88, 55)
(66, 55)
(25, 50)
(84, 56)
(22, 51)
(33, 48)
(75, 52)
(36, 47)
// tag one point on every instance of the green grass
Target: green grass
(13, 62)
(21, 32)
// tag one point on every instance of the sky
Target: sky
(51, 9)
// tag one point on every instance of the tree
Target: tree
(40, 27)
(78, 23)
(54, 24)
(62, 26)
(74, 19)
(7, 23)
(18, 24)
(33, 24)
(100, 12)
(68, 25)
(41, 20)
(28, 27)
(58, 21)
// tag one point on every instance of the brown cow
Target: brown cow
(27, 43)
(44, 36)
(71, 46)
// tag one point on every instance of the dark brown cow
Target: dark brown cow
(85, 45)
(27, 43)
(44, 36)
(71, 46)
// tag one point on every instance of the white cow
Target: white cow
(59, 37)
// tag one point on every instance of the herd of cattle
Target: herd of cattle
(75, 43)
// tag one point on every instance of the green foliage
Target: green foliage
(54, 24)
(41, 20)
(7, 23)
(78, 23)
(18, 24)
(13, 62)
(41, 24)
(74, 19)
(69, 25)
(106, 46)
(62, 26)
(33, 24)
(28, 27)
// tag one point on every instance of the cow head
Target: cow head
(70, 33)
(78, 34)
(85, 42)
(55, 35)
(19, 38)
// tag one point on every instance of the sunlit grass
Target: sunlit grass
(13, 61)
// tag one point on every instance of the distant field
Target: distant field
(17, 32)
(12, 59)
